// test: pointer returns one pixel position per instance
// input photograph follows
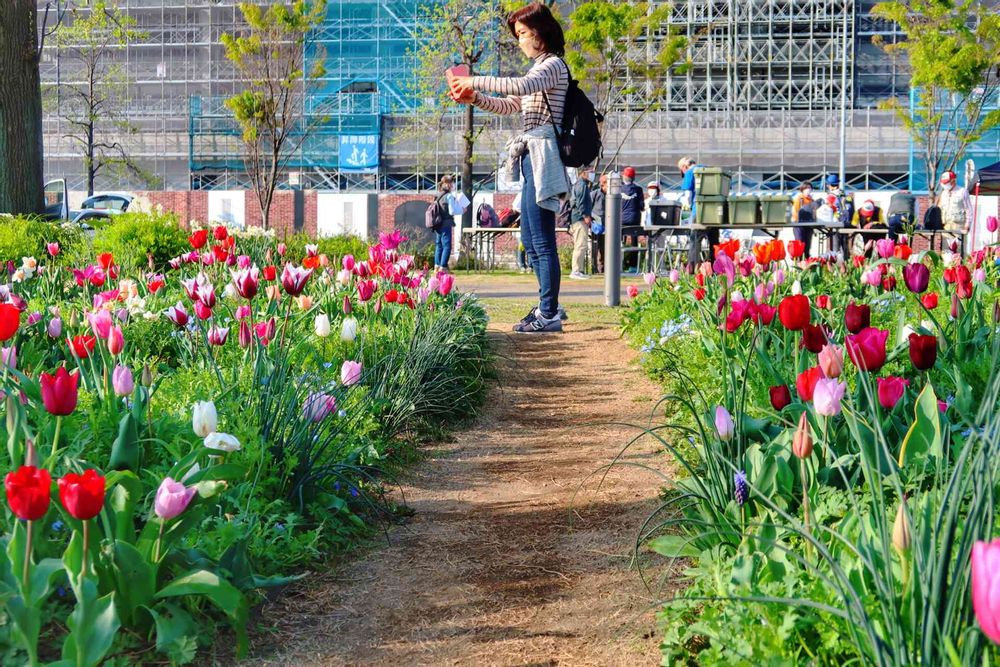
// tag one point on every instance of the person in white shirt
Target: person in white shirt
(955, 204)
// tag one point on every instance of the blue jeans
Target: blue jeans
(538, 234)
(442, 246)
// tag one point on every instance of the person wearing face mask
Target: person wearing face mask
(442, 234)
(597, 226)
(843, 213)
(955, 204)
(534, 156)
(653, 197)
(581, 217)
(633, 205)
(803, 210)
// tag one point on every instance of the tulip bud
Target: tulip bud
(322, 325)
(204, 418)
(147, 376)
(902, 539)
(246, 336)
(996, 312)
(955, 306)
(724, 423)
(347, 305)
(831, 360)
(802, 443)
(116, 341)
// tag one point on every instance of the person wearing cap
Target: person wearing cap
(843, 212)
(653, 197)
(803, 211)
(688, 167)
(597, 226)
(633, 205)
(869, 216)
(955, 204)
(580, 216)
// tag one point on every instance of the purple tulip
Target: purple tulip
(724, 423)
(318, 406)
(55, 328)
(172, 498)
(916, 277)
(122, 381)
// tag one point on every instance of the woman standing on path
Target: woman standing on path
(442, 234)
(540, 96)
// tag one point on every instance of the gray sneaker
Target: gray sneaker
(540, 325)
(533, 315)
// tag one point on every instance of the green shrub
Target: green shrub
(332, 246)
(26, 237)
(134, 236)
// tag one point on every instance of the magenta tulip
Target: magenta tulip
(986, 587)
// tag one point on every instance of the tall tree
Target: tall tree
(454, 32)
(608, 39)
(93, 101)
(952, 50)
(270, 110)
(21, 172)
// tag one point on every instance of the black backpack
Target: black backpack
(435, 215)
(932, 218)
(579, 138)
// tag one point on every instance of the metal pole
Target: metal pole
(613, 241)
(843, 103)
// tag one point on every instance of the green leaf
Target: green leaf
(93, 625)
(125, 491)
(175, 633)
(674, 546)
(126, 452)
(220, 593)
(924, 436)
(135, 580)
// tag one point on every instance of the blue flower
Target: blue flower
(742, 492)
(280, 527)
(354, 492)
(58, 525)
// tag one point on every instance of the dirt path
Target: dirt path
(490, 570)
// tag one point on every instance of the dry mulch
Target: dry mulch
(507, 560)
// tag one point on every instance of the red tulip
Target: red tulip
(805, 383)
(198, 239)
(762, 313)
(793, 311)
(889, 283)
(796, 249)
(28, 492)
(902, 252)
(82, 495)
(202, 311)
(890, 390)
(220, 253)
(814, 337)
(857, 317)
(270, 272)
(82, 345)
(923, 351)
(963, 289)
(867, 348)
(780, 396)
(10, 320)
(930, 300)
(60, 391)
(220, 233)
(823, 302)
(106, 260)
(310, 262)
(155, 284)
(699, 293)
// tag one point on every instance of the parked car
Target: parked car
(97, 207)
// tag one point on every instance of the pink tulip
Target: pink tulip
(446, 282)
(986, 587)
(172, 498)
(827, 396)
(366, 289)
(54, 329)
(318, 406)
(992, 224)
(779, 277)
(650, 278)
(101, 322)
(202, 311)
(243, 312)
(247, 282)
(632, 291)
(218, 335)
(177, 314)
(885, 248)
(122, 381)
(282, 249)
(890, 390)
(674, 276)
(206, 294)
(350, 373)
(9, 357)
(831, 360)
(243, 262)
(53, 248)
(34, 318)
(979, 276)
(724, 423)
(116, 341)
(246, 336)
(294, 279)
(347, 308)
(348, 262)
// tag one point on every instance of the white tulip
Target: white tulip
(230, 292)
(796, 287)
(222, 442)
(349, 330)
(322, 325)
(206, 420)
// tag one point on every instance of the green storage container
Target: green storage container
(774, 209)
(711, 210)
(744, 210)
(711, 182)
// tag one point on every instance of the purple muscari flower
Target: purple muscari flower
(742, 493)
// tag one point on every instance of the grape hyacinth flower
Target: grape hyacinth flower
(742, 492)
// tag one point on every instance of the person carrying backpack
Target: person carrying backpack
(445, 225)
(580, 221)
(537, 153)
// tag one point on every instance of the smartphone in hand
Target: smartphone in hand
(457, 70)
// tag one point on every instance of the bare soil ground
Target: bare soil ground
(506, 561)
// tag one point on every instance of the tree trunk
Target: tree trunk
(467, 165)
(91, 165)
(21, 175)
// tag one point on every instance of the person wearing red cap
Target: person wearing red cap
(955, 204)
(869, 216)
(633, 205)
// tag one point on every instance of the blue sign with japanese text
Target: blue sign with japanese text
(359, 152)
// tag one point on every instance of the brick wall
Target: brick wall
(187, 204)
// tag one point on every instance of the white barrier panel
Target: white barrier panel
(345, 214)
(227, 207)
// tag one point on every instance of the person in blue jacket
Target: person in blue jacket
(633, 205)
(688, 167)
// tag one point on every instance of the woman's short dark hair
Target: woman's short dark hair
(538, 17)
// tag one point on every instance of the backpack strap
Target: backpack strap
(545, 96)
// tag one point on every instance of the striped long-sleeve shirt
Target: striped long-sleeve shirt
(548, 74)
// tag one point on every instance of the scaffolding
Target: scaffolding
(761, 95)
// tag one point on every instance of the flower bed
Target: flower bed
(187, 431)
(836, 431)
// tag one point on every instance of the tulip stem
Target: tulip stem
(55, 438)
(86, 540)
(27, 558)
(805, 501)
(159, 538)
